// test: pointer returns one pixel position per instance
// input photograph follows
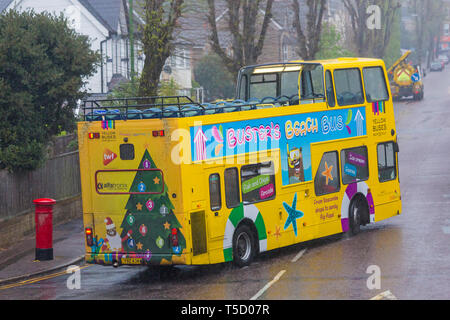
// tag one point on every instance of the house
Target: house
(280, 44)
(105, 23)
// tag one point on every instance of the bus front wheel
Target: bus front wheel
(243, 246)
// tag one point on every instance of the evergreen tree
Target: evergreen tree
(44, 65)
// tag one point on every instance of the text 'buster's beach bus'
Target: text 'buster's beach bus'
(307, 150)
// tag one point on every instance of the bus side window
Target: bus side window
(348, 86)
(355, 165)
(258, 182)
(386, 162)
(214, 192)
(232, 197)
(375, 84)
(327, 176)
(330, 89)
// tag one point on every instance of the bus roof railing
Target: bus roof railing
(160, 107)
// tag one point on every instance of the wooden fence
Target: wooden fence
(58, 178)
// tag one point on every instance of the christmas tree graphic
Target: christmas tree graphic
(149, 223)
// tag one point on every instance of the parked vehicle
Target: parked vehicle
(436, 66)
(405, 79)
(443, 58)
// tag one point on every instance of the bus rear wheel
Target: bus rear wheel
(358, 213)
(243, 246)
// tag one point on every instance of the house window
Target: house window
(285, 52)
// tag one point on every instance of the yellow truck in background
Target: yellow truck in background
(406, 79)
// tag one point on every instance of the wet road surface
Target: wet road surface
(411, 251)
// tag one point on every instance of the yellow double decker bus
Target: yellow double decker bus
(307, 150)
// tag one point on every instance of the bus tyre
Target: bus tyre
(243, 246)
(355, 216)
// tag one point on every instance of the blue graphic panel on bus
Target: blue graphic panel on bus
(292, 134)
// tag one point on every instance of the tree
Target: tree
(372, 41)
(214, 78)
(329, 45)
(428, 18)
(157, 34)
(308, 42)
(150, 219)
(247, 45)
(43, 67)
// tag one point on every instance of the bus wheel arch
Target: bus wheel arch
(250, 217)
(357, 192)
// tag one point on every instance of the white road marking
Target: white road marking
(298, 256)
(387, 295)
(267, 286)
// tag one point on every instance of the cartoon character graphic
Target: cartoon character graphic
(113, 240)
(295, 164)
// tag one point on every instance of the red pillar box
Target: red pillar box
(44, 228)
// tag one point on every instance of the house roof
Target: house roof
(107, 12)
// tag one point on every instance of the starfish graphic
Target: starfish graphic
(293, 214)
(327, 172)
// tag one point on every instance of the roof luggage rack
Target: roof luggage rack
(162, 107)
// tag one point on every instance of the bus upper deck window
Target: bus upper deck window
(375, 84)
(330, 89)
(311, 83)
(348, 86)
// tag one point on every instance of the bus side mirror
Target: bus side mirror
(396, 148)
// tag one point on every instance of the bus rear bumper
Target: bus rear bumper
(121, 258)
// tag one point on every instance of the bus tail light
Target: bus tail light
(174, 237)
(94, 135)
(158, 133)
(89, 237)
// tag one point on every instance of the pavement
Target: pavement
(17, 262)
